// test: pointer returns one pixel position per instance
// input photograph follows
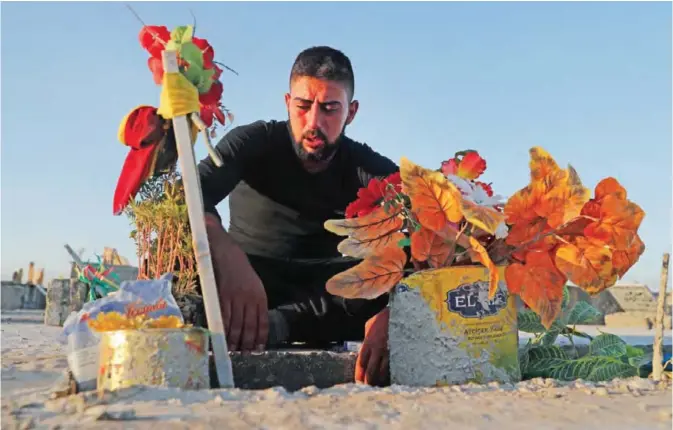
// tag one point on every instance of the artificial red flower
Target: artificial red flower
(207, 50)
(154, 38)
(470, 166)
(214, 94)
(157, 68)
(209, 112)
(371, 196)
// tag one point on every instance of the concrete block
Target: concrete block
(629, 319)
(58, 302)
(21, 296)
(77, 295)
(290, 369)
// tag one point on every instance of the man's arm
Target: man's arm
(242, 296)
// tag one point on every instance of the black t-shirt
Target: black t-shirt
(277, 209)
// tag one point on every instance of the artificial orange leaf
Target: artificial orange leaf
(533, 234)
(587, 265)
(434, 200)
(617, 224)
(606, 187)
(622, 261)
(480, 254)
(357, 248)
(609, 186)
(574, 227)
(539, 284)
(520, 207)
(484, 217)
(450, 234)
(563, 201)
(544, 171)
(374, 276)
(371, 226)
(426, 245)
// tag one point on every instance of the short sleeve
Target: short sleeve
(237, 150)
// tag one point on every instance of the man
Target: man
(284, 179)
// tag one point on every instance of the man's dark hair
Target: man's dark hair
(323, 62)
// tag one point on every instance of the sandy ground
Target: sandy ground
(32, 360)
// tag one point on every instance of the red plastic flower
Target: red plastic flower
(470, 166)
(154, 38)
(207, 50)
(213, 95)
(209, 112)
(157, 68)
(376, 192)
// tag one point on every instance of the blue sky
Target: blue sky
(590, 82)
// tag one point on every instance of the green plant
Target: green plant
(608, 356)
(161, 232)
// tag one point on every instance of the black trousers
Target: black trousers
(296, 288)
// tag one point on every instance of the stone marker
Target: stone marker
(58, 302)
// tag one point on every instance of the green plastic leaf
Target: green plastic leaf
(566, 298)
(580, 368)
(193, 75)
(606, 344)
(171, 45)
(404, 242)
(540, 352)
(182, 34)
(191, 54)
(524, 358)
(529, 322)
(610, 370)
(640, 360)
(553, 333)
(543, 368)
(633, 352)
(583, 313)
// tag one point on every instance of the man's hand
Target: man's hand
(244, 308)
(372, 366)
(242, 296)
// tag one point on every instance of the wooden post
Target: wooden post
(657, 355)
(197, 222)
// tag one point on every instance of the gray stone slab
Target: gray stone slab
(290, 369)
(58, 302)
(21, 296)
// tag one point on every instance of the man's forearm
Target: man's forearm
(225, 252)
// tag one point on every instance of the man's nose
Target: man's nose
(314, 116)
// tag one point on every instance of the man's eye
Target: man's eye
(304, 107)
(330, 108)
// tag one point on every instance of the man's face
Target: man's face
(319, 111)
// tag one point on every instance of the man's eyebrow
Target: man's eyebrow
(327, 103)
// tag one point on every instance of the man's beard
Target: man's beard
(325, 153)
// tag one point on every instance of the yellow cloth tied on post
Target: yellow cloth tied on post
(178, 96)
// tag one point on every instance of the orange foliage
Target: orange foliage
(539, 284)
(554, 223)
(373, 277)
(557, 232)
(480, 254)
(426, 245)
(434, 200)
(586, 264)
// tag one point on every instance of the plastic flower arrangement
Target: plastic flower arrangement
(148, 130)
(548, 233)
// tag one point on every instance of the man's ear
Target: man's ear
(287, 101)
(352, 110)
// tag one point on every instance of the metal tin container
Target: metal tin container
(158, 357)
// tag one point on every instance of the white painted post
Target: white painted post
(197, 223)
